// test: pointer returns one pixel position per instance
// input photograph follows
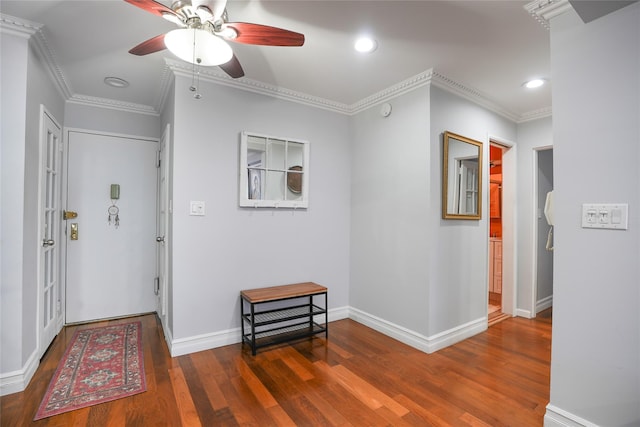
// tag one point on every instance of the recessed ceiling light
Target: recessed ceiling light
(532, 84)
(365, 45)
(116, 82)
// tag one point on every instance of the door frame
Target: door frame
(162, 270)
(64, 195)
(59, 317)
(509, 226)
(535, 242)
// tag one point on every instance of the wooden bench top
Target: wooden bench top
(274, 293)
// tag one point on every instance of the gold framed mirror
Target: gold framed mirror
(461, 177)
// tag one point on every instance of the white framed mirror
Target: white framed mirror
(274, 172)
(461, 177)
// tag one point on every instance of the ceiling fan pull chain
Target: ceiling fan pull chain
(195, 85)
(197, 95)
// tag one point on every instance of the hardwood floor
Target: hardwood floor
(358, 377)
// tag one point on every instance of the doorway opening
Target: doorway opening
(542, 287)
(495, 312)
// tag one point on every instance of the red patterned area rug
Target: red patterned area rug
(100, 365)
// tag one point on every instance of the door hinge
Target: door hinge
(158, 161)
(156, 285)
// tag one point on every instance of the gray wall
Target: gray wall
(230, 248)
(390, 240)
(110, 120)
(458, 250)
(596, 324)
(408, 266)
(14, 89)
(26, 86)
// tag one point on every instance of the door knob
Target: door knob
(48, 242)
(160, 239)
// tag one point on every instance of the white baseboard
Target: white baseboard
(17, 381)
(523, 313)
(202, 342)
(556, 417)
(182, 346)
(544, 303)
(541, 305)
(428, 344)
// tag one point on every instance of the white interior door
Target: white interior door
(110, 262)
(48, 264)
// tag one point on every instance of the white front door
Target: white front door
(48, 278)
(110, 262)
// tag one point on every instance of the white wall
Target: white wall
(231, 248)
(531, 136)
(595, 363)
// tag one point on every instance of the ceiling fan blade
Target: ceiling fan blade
(153, 7)
(155, 44)
(233, 67)
(264, 35)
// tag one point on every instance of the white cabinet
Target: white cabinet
(495, 266)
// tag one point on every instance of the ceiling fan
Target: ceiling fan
(203, 32)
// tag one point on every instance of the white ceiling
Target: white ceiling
(491, 47)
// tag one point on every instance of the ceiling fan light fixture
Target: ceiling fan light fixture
(204, 13)
(228, 33)
(173, 18)
(198, 46)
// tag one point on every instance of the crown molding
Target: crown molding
(163, 90)
(212, 74)
(46, 53)
(32, 30)
(407, 85)
(472, 95)
(112, 104)
(535, 115)
(543, 10)
(18, 26)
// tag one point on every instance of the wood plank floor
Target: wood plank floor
(358, 378)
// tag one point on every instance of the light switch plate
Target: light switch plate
(196, 208)
(610, 216)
